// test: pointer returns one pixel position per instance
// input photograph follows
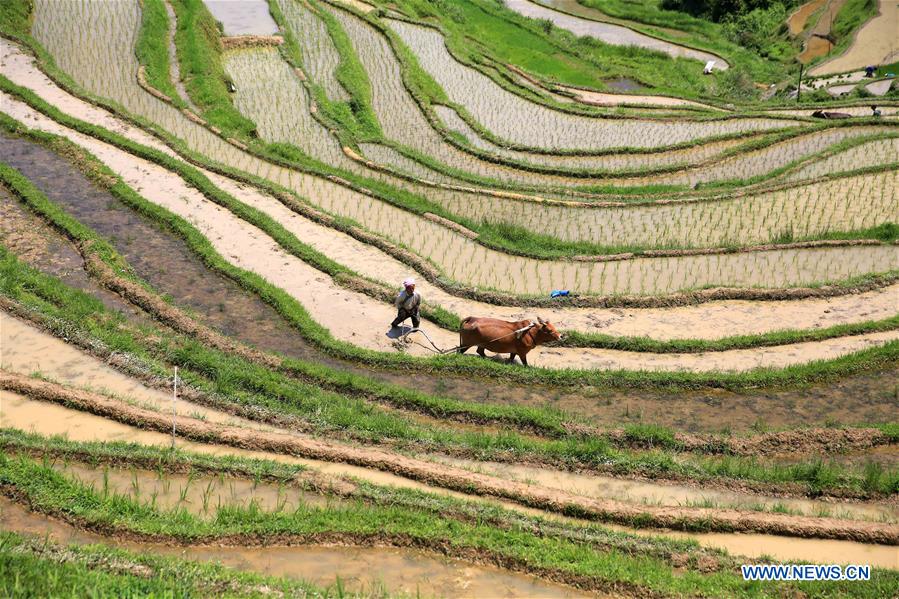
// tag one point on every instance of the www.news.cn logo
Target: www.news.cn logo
(804, 572)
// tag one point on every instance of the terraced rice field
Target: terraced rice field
(201, 392)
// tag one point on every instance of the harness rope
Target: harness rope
(437, 350)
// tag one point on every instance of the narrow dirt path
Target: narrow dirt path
(595, 98)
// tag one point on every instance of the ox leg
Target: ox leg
(481, 351)
(511, 359)
(524, 359)
(462, 350)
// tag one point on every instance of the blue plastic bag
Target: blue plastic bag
(559, 293)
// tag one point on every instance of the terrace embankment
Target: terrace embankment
(874, 44)
(455, 478)
(668, 494)
(250, 248)
(22, 233)
(441, 245)
(359, 569)
(613, 404)
(697, 410)
(47, 418)
(566, 17)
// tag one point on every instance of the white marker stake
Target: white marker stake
(174, 399)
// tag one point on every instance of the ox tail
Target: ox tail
(465, 325)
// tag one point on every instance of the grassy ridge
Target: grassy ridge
(199, 54)
(441, 317)
(152, 49)
(46, 490)
(32, 567)
(295, 314)
(242, 385)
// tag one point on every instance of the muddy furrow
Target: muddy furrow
(456, 478)
(794, 442)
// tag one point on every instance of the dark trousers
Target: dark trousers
(402, 315)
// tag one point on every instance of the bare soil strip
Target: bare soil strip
(455, 478)
(669, 494)
(27, 350)
(595, 98)
(498, 260)
(248, 247)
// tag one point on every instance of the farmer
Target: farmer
(407, 303)
(875, 111)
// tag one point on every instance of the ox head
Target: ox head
(546, 332)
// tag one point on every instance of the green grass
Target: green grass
(48, 491)
(31, 567)
(648, 17)
(152, 49)
(482, 27)
(848, 20)
(245, 386)
(199, 49)
(297, 315)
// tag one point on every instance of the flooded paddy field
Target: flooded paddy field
(725, 392)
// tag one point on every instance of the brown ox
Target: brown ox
(502, 337)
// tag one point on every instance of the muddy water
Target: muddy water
(400, 571)
(153, 256)
(26, 350)
(39, 246)
(814, 47)
(624, 407)
(607, 32)
(874, 43)
(158, 256)
(796, 22)
(652, 493)
(243, 17)
(49, 419)
(200, 495)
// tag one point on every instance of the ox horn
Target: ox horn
(540, 320)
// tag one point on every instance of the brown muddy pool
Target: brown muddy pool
(35, 243)
(399, 571)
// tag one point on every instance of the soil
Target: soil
(454, 478)
(600, 99)
(797, 20)
(607, 32)
(245, 246)
(43, 417)
(873, 43)
(669, 494)
(27, 351)
(359, 569)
